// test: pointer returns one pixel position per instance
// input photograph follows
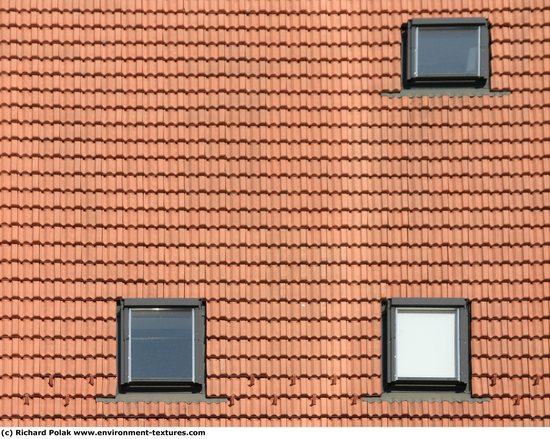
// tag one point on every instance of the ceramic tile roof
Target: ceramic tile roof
(242, 152)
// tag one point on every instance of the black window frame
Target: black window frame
(445, 81)
(125, 384)
(389, 307)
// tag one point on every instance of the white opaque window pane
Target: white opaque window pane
(426, 343)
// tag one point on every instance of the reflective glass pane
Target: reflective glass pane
(447, 51)
(161, 344)
(426, 343)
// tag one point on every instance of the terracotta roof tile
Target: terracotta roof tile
(244, 154)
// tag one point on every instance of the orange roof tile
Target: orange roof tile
(244, 154)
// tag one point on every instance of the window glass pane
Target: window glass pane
(426, 345)
(161, 344)
(447, 51)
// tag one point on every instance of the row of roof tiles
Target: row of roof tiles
(286, 109)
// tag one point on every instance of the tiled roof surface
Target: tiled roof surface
(241, 151)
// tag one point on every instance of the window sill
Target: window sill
(425, 396)
(452, 92)
(167, 397)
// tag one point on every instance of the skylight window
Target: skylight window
(161, 344)
(446, 53)
(426, 344)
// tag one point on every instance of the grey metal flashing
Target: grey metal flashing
(485, 53)
(465, 373)
(147, 303)
(428, 301)
(425, 396)
(122, 343)
(480, 21)
(172, 397)
(452, 92)
(199, 331)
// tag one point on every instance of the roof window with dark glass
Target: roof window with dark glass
(446, 56)
(161, 351)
